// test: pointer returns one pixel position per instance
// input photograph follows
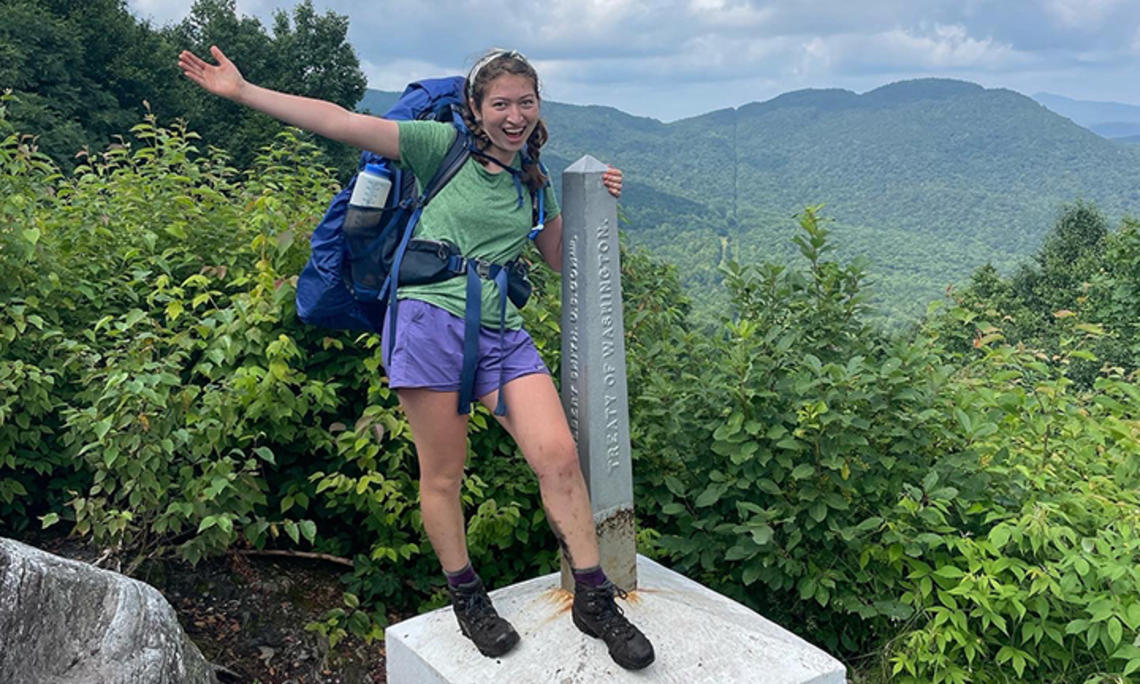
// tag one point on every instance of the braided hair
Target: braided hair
(493, 64)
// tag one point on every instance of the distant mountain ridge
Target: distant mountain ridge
(927, 178)
(1109, 119)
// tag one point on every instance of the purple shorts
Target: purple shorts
(429, 351)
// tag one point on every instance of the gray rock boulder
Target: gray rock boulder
(67, 622)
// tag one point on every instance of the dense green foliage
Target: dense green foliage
(936, 505)
(1082, 271)
(87, 70)
(967, 517)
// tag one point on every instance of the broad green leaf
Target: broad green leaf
(999, 535)
(818, 511)
(802, 471)
(1115, 630)
(949, 572)
(708, 497)
(762, 534)
(102, 427)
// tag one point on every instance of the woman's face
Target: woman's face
(509, 114)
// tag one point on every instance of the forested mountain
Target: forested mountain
(929, 178)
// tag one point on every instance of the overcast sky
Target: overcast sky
(673, 59)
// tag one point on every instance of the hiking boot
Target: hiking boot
(598, 615)
(479, 622)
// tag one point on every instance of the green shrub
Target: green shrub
(957, 523)
(1033, 576)
(34, 476)
(790, 438)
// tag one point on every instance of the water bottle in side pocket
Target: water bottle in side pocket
(363, 223)
(369, 195)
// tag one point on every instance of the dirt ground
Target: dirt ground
(247, 614)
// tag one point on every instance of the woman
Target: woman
(480, 210)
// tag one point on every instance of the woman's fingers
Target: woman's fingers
(612, 179)
(221, 79)
(191, 64)
(219, 55)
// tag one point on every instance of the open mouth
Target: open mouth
(514, 135)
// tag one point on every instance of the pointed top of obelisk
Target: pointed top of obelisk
(587, 164)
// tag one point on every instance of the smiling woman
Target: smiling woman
(428, 346)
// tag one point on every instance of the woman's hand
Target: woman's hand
(612, 180)
(323, 118)
(223, 80)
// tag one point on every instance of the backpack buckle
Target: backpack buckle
(482, 268)
(456, 264)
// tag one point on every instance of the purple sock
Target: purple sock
(465, 576)
(591, 577)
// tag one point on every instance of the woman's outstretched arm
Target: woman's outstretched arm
(549, 241)
(318, 116)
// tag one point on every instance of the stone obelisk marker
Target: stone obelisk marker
(593, 364)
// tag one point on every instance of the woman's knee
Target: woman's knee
(557, 460)
(440, 483)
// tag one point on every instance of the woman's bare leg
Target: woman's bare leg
(536, 421)
(440, 434)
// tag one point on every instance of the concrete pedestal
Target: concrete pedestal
(699, 637)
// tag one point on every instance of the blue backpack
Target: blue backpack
(353, 273)
(336, 288)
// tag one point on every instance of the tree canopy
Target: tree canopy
(85, 71)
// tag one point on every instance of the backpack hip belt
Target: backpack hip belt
(433, 261)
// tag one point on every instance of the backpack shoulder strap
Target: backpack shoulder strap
(453, 160)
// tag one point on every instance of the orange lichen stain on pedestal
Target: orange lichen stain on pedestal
(563, 600)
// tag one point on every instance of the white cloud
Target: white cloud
(397, 73)
(1081, 14)
(162, 12)
(815, 57)
(943, 46)
(729, 13)
(159, 12)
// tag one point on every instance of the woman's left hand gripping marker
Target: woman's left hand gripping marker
(612, 180)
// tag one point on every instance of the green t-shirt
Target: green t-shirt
(477, 210)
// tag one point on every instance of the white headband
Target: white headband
(487, 59)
